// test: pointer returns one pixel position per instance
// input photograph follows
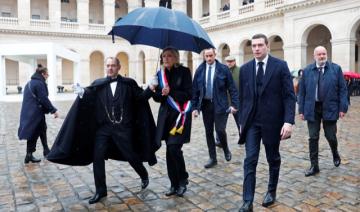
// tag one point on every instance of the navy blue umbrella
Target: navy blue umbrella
(161, 27)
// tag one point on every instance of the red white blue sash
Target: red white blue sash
(182, 109)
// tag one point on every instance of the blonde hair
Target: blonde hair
(173, 51)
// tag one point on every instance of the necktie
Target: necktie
(320, 85)
(208, 92)
(259, 76)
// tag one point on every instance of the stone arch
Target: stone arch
(245, 52)
(355, 48)
(223, 51)
(124, 61)
(313, 36)
(97, 69)
(276, 44)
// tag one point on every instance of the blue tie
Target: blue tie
(208, 92)
(320, 85)
(259, 76)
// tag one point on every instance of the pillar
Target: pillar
(51, 65)
(234, 7)
(197, 9)
(83, 13)
(2, 77)
(214, 10)
(342, 49)
(54, 13)
(24, 12)
(109, 14)
(132, 5)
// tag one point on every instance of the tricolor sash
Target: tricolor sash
(182, 109)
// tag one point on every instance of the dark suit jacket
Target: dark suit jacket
(277, 98)
(335, 98)
(222, 86)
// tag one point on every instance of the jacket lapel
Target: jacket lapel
(252, 78)
(270, 66)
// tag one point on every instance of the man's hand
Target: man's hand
(286, 131)
(301, 116)
(78, 90)
(232, 110)
(56, 115)
(195, 114)
(165, 91)
(341, 114)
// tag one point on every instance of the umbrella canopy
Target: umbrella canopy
(161, 27)
(350, 74)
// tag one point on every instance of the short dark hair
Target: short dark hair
(41, 70)
(117, 61)
(257, 36)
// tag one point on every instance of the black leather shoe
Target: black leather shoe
(181, 190)
(211, 163)
(313, 170)
(269, 199)
(144, 183)
(96, 198)
(246, 207)
(337, 159)
(228, 156)
(30, 158)
(171, 191)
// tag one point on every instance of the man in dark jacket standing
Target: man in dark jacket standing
(322, 98)
(32, 118)
(267, 113)
(103, 124)
(211, 85)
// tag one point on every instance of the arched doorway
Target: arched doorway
(355, 57)
(96, 12)
(39, 9)
(276, 46)
(142, 68)
(318, 35)
(121, 8)
(224, 51)
(97, 69)
(69, 11)
(67, 72)
(124, 60)
(245, 47)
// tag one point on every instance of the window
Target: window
(6, 14)
(65, 1)
(35, 16)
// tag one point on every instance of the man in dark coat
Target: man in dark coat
(267, 113)
(322, 97)
(32, 117)
(109, 120)
(211, 85)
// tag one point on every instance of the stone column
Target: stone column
(59, 71)
(196, 9)
(234, 7)
(151, 3)
(214, 10)
(179, 5)
(109, 14)
(83, 14)
(24, 13)
(132, 5)
(2, 77)
(54, 13)
(51, 65)
(295, 55)
(342, 49)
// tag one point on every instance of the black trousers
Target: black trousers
(39, 132)
(102, 141)
(210, 118)
(176, 165)
(314, 132)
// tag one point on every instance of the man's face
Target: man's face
(231, 63)
(259, 48)
(320, 55)
(112, 68)
(46, 75)
(209, 56)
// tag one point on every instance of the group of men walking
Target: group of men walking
(260, 95)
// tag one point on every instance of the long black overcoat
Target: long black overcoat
(74, 144)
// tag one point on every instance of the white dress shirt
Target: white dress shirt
(113, 87)
(264, 65)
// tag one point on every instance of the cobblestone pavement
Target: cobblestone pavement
(51, 187)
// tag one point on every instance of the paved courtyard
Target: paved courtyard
(52, 187)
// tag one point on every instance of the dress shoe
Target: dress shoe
(269, 199)
(171, 191)
(144, 183)
(313, 170)
(96, 198)
(228, 155)
(337, 159)
(181, 190)
(246, 207)
(211, 163)
(30, 158)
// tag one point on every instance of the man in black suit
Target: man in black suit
(114, 103)
(211, 85)
(267, 111)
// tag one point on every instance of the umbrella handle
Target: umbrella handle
(113, 36)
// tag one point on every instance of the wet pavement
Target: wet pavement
(52, 187)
